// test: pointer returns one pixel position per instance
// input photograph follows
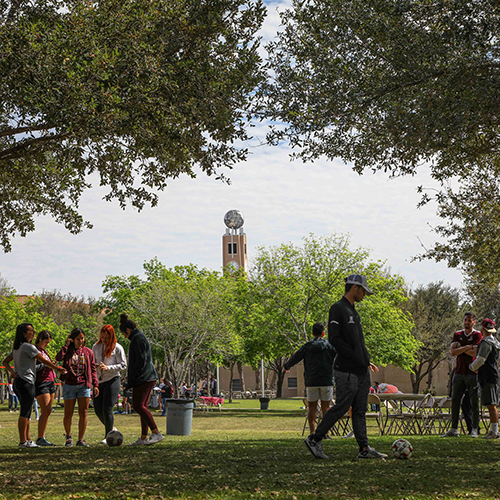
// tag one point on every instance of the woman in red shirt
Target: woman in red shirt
(81, 377)
(45, 388)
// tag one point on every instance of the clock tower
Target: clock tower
(234, 243)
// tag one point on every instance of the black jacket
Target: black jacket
(488, 349)
(346, 335)
(140, 361)
(318, 355)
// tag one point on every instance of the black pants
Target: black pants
(105, 402)
(25, 391)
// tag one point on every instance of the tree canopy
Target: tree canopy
(295, 285)
(185, 312)
(134, 92)
(437, 312)
(390, 85)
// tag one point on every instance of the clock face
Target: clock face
(233, 219)
(233, 265)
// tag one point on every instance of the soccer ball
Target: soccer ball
(402, 449)
(114, 438)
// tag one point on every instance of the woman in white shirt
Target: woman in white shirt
(109, 361)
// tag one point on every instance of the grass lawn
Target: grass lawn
(241, 453)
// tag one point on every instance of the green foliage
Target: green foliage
(68, 312)
(390, 85)
(471, 232)
(386, 325)
(485, 299)
(295, 286)
(135, 92)
(12, 313)
(437, 312)
(185, 312)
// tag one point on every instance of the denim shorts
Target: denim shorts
(75, 391)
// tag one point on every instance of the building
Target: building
(234, 243)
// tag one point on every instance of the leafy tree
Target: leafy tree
(185, 314)
(134, 92)
(13, 312)
(484, 298)
(390, 85)
(294, 287)
(471, 212)
(5, 288)
(70, 312)
(437, 312)
(118, 292)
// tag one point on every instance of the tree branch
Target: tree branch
(22, 130)
(17, 151)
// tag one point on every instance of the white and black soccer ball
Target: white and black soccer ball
(401, 448)
(114, 438)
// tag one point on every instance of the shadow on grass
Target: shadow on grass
(181, 467)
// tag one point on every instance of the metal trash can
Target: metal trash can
(179, 417)
(264, 403)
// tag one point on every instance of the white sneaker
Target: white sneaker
(451, 433)
(474, 433)
(139, 442)
(349, 435)
(155, 438)
(28, 444)
(103, 441)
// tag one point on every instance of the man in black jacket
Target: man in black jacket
(352, 370)
(318, 355)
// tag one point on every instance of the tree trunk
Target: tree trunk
(430, 374)
(231, 371)
(258, 379)
(270, 381)
(242, 377)
(279, 384)
(418, 378)
(414, 384)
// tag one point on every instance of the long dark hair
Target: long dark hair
(74, 333)
(43, 335)
(20, 337)
(126, 323)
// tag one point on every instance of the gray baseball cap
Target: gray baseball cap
(360, 280)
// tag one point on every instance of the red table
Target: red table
(213, 400)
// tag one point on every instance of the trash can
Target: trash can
(264, 403)
(179, 417)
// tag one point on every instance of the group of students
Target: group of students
(476, 376)
(85, 373)
(344, 357)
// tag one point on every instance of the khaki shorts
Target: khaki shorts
(324, 393)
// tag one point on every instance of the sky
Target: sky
(281, 200)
